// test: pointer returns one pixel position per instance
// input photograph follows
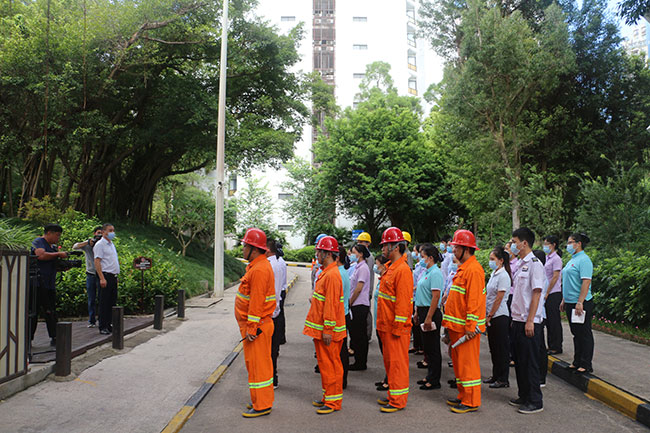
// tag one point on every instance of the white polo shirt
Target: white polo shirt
(529, 276)
(106, 252)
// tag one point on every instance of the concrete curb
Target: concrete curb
(623, 401)
(186, 412)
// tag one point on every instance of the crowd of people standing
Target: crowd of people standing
(435, 296)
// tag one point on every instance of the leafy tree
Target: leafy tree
(101, 100)
(254, 208)
(310, 206)
(633, 10)
(614, 210)
(376, 164)
(188, 211)
(494, 92)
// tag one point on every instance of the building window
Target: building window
(412, 61)
(413, 86)
(232, 184)
(358, 75)
(360, 19)
(324, 60)
(287, 18)
(411, 39)
(323, 7)
(285, 227)
(285, 196)
(359, 47)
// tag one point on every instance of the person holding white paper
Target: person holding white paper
(427, 302)
(577, 301)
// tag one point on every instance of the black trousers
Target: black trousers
(359, 334)
(417, 335)
(554, 321)
(107, 299)
(45, 304)
(543, 356)
(381, 349)
(499, 342)
(345, 356)
(513, 355)
(583, 338)
(431, 345)
(527, 368)
(276, 340)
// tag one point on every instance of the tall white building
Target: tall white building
(341, 39)
(638, 43)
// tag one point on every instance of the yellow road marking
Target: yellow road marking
(86, 381)
(179, 420)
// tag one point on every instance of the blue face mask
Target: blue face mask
(442, 247)
(415, 255)
(570, 249)
(422, 263)
(453, 267)
(353, 258)
(493, 265)
(111, 235)
(547, 249)
(449, 248)
(375, 269)
(514, 249)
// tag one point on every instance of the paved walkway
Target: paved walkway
(566, 408)
(140, 390)
(620, 362)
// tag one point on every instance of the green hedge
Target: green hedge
(621, 287)
(305, 254)
(169, 273)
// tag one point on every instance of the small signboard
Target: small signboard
(355, 234)
(142, 263)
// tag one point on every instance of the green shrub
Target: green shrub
(42, 211)
(15, 238)
(621, 287)
(305, 254)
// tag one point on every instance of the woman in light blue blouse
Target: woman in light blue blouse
(429, 316)
(577, 301)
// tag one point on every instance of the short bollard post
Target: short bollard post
(63, 349)
(118, 328)
(158, 312)
(180, 309)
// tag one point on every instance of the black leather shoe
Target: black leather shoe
(498, 384)
(452, 382)
(427, 386)
(421, 364)
(490, 380)
(421, 381)
(104, 331)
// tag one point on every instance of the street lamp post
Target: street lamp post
(220, 177)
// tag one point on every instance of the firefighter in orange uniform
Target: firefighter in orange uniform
(254, 305)
(325, 323)
(394, 309)
(464, 313)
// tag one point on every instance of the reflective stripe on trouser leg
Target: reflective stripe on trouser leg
(331, 372)
(260, 367)
(396, 363)
(467, 369)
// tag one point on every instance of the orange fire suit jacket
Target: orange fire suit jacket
(327, 313)
(465, 308)
(255, 301)
(395, 298)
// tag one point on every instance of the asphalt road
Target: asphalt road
(566, 409)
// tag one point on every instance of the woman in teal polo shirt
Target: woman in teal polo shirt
(427, 302)
(576, 294)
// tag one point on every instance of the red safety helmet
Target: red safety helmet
(391, 235)
(255, 238)
(328, 243)
(464, 238)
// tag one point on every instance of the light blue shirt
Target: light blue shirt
(577, 269)
(346, 288)
(430, 280)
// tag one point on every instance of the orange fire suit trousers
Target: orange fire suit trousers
(331, 372)
(260, 367)
(467, 369)
(396, 363)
